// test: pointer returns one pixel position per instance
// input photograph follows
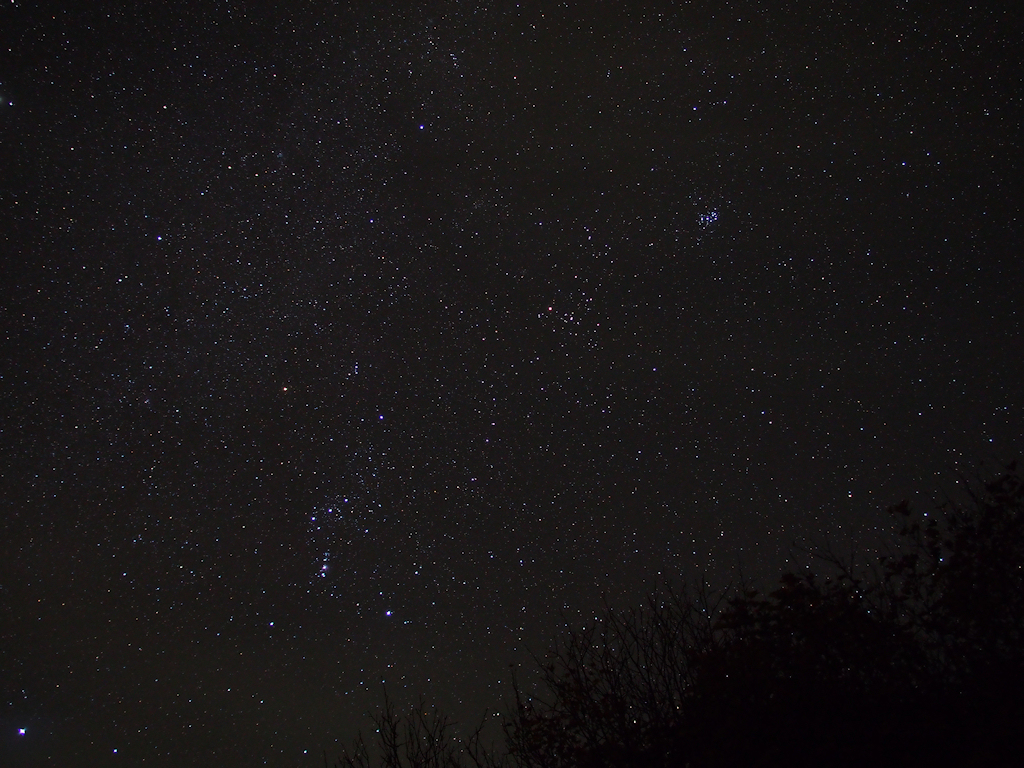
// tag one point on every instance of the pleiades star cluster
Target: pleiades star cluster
(361, 345)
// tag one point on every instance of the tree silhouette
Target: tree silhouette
(618, 691)
(915, 660)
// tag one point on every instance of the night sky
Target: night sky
(345, 343)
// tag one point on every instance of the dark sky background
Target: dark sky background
(346, 343)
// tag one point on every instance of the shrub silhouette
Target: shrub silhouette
(417, 739)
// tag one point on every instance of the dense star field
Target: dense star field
(359, 343)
